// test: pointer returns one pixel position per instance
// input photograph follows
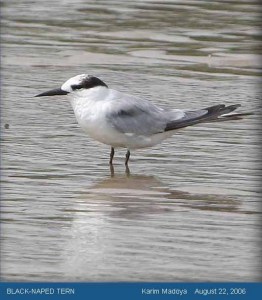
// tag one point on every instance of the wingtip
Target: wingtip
(234, 106)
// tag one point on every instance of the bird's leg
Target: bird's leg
(127, 157)
(111, 155)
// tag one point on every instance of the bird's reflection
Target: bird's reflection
(112, 170)
(131, 196)
(125, 215)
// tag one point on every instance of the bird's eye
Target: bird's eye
(76, 87)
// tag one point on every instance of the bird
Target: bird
(124, 121)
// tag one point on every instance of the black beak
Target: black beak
(53, 92)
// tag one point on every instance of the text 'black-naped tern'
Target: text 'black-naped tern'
(122, 120)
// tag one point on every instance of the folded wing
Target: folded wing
(131, 115)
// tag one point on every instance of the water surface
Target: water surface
(189, 210)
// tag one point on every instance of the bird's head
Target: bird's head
(75, 84)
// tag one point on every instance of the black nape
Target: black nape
(88, 82)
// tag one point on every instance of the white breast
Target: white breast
(90, 108)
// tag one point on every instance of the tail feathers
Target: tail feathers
(214, 113)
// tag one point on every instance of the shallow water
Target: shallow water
(189, 210)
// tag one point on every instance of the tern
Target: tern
(124, 121)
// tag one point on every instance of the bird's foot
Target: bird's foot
(127, 171)
(112, 170)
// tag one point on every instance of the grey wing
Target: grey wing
(138, 121)
(133, 115)
(140, 117)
